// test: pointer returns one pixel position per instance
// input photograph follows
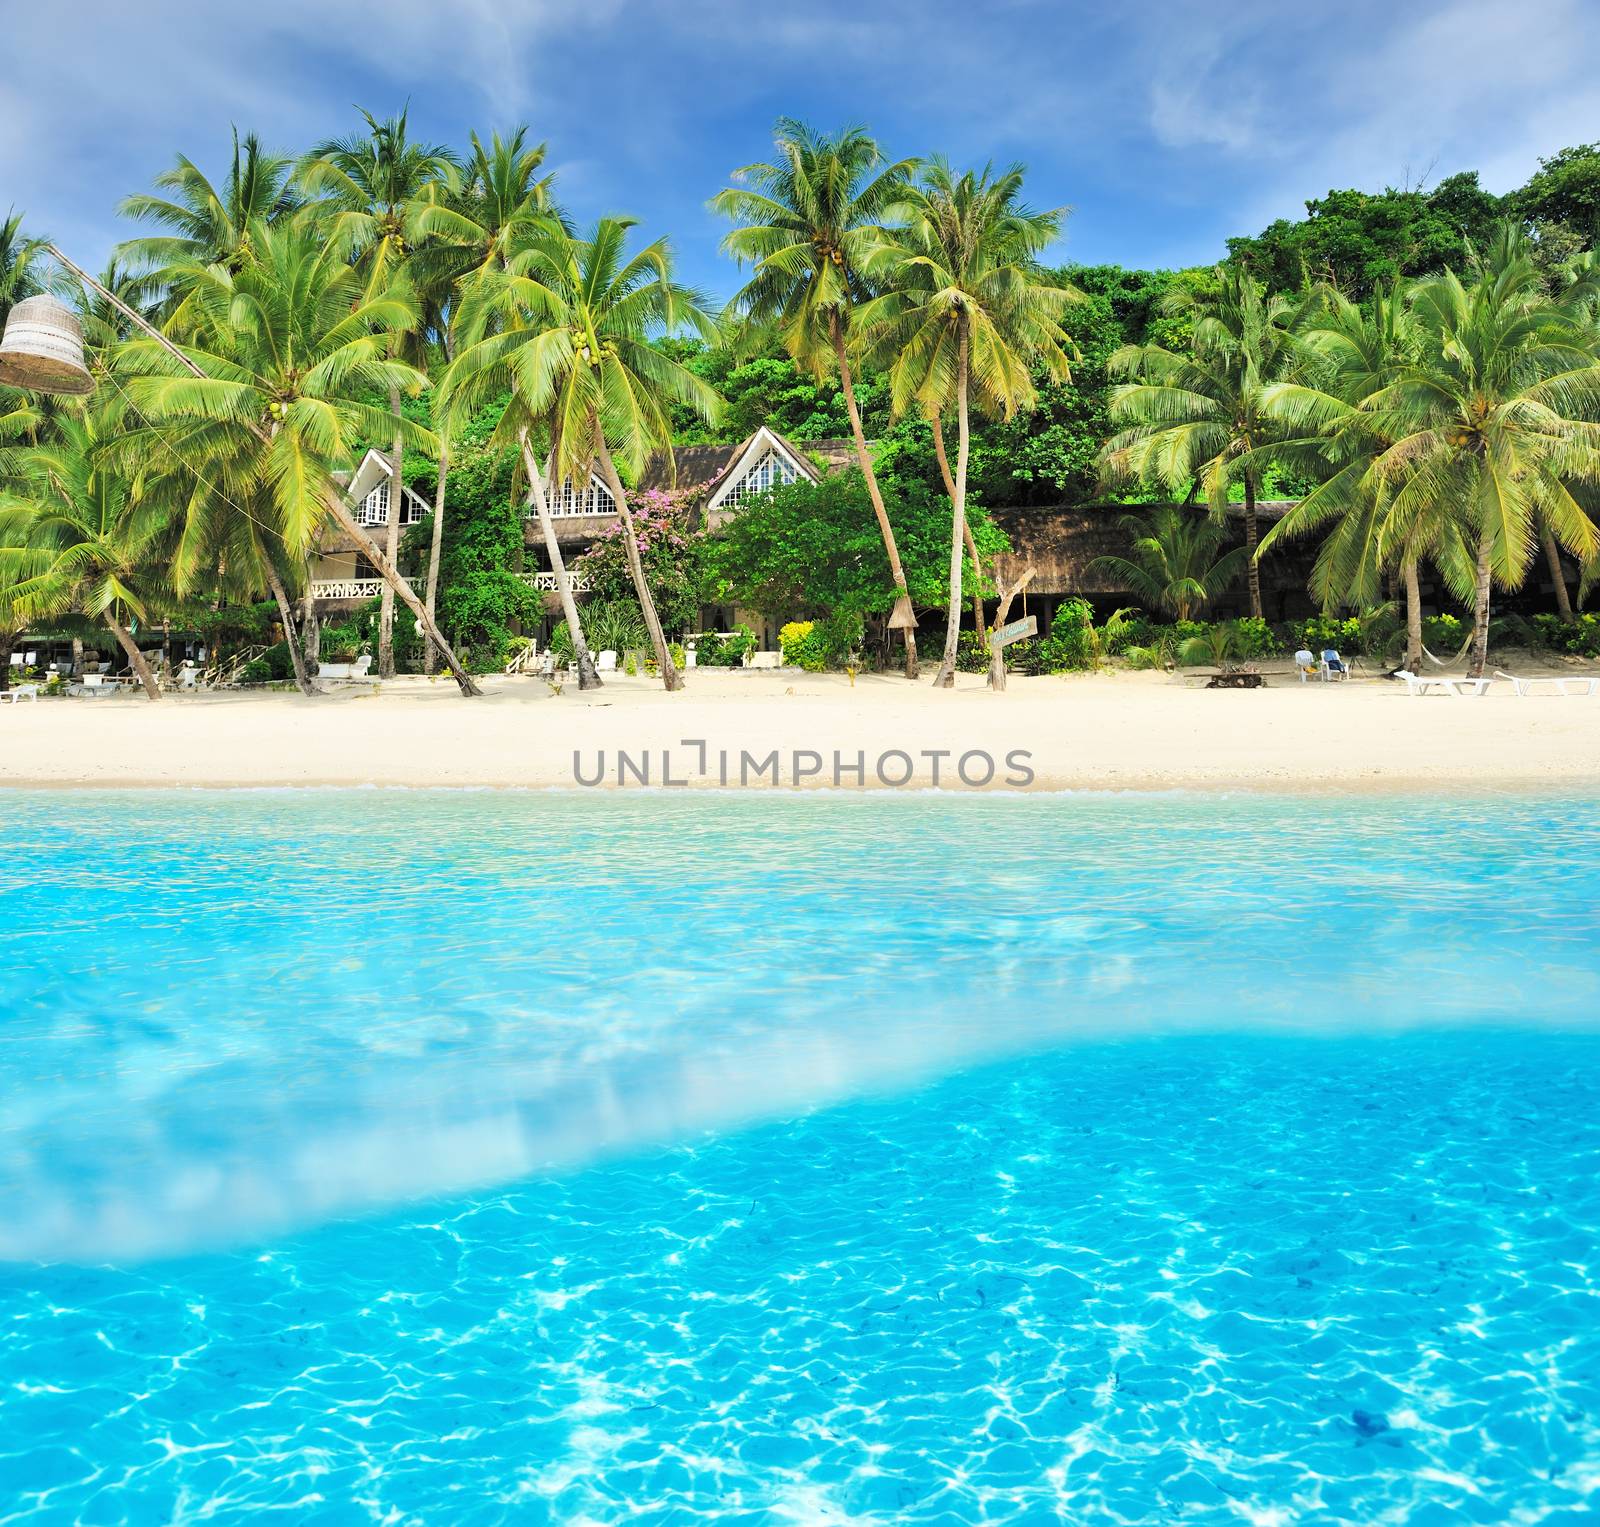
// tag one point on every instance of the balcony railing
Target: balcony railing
(346, 588)
(546, 582)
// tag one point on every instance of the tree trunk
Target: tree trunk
(311, 633)
(864, 458)
(1413, 658)
(8, 642)
(978, 623)
(430, 657)
(386, 570)
(1552, 555)
(587, 677)
(997, 656)
(291, 638)
(391, 543)
(671, 679)
(1250, 539)
(946, 676)
(1479, 653)
(135, 657)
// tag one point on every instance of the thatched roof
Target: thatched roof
(1061, 542)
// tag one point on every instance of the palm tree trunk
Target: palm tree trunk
(311, 633)
(1479, 655)
(8, 642)
(587, 677)
(1413, 659)
(391, 543)
(1250, 539)
(670, 677)
(1552, 555)
(386, 570)
(946, 676)
(135, 657)
(291, 638)
(430, 657)
(864, 458)
(978, 623)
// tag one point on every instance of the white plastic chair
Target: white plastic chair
(1332, 665)
(1305, 663)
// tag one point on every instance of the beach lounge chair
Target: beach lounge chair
(1444, 684)
(1304, 664)
(1560, 684)
(21, 692)
(1332, 665)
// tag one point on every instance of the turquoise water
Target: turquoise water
(420, 1158)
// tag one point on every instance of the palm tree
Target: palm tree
(1201, 415)
(1496, 417)
(206, 224)
(290, 346)
(581, 361)
(375, 186)
(1175, 561)
(93, 539)
(467, 224)
(1353, 354)
(966, 318)
(20, 257)
(806, 226)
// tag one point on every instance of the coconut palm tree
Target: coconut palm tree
(581, 361)
(291, 346)
(21, 273)
(966, 319)
(93, 539)
(471, 222)
(806, 225)
(374, 186)
(1496, 415)
(1372, 523)
(206, 224)
(1175, 561)
(1201, 415)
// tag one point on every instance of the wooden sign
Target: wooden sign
(1015, 632)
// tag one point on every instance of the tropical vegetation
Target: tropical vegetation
(1410, 379)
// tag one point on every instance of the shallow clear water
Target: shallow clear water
(479, 1158)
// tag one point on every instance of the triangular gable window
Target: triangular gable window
(595, 499)
(375, 506)
(772, 471)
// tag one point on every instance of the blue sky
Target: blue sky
(1164, 126)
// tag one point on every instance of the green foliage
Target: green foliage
(1564, 190)
(1218, 646)
(615, 625)
(673, 556)
(480, 596)
(802, 645)
(1580, 636)
(814, 548)
(725, 650)
(1358, 241)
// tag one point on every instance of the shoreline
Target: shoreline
(1100, 733)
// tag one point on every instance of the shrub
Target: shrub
(802, 645)
(1322, 631)
(1581, 637)
(1442, 632)
(1256, 638)
(718, 651)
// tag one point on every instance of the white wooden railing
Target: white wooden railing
(547, 582)
(346, 588)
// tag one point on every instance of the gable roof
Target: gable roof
(373, 470)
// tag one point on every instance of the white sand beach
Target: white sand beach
(1103, 731)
